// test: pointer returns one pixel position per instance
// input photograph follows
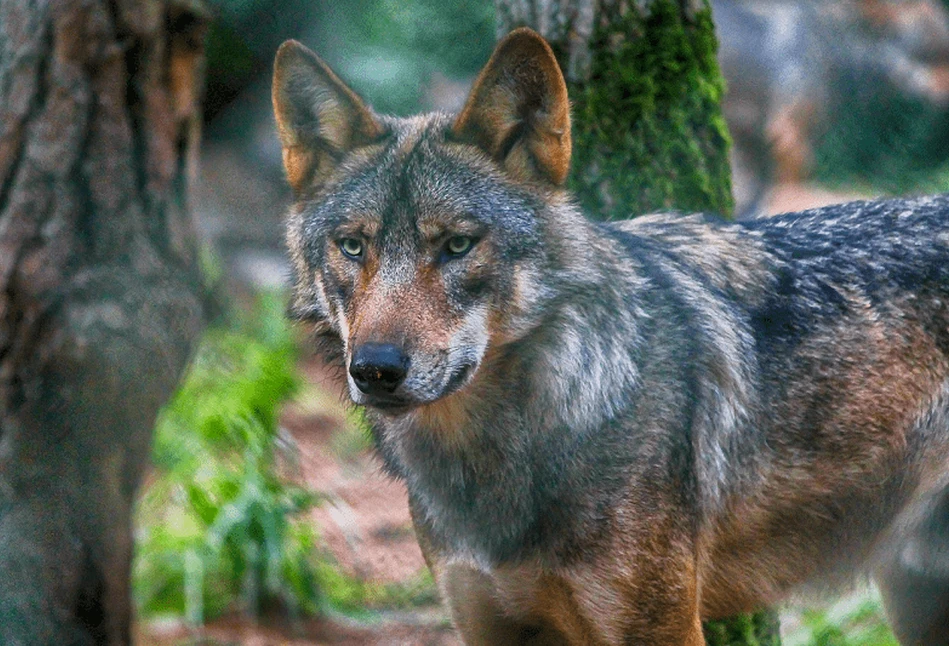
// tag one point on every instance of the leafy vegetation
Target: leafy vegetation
(358, 598)
(219, 521)
(852, 621)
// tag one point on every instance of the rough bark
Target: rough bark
(648, 131)
(100, 294)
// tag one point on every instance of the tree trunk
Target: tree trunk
(100, 293)
(648, 131)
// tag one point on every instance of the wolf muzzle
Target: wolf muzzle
(378, 368)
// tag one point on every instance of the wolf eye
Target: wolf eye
(458, 246)
(351, 247)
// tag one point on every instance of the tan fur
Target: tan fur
(376, 320)
(745, 566)
(335, 118)
(619, 590)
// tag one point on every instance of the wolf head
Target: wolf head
(419, 242)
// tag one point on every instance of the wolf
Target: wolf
(610, 432)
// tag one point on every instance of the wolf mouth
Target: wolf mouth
(391, 405)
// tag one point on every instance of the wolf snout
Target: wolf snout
(378, 368)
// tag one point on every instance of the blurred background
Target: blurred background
(266, 520)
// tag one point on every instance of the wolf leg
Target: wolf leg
(915, 583)
(555, 611)
(481, 618)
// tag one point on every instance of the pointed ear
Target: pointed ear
(319, 119)
(518, 111)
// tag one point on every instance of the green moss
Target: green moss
(648, 130)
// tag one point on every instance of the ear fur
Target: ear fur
(319, 118)
(518, 111)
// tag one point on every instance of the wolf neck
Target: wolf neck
(492, 462)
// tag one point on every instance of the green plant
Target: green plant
(217, 522)
(853, 621)
(355, 597)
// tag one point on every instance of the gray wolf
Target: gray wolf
(612, 431)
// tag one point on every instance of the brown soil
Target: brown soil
(239, 631)
(365, 520)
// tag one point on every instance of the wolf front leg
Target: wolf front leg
(590, 605)
(638, 592)
(914, 581)
(481, 617)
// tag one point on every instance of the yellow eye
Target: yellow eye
(459, 245)
(351, 247)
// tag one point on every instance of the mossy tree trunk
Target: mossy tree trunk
(648, 132)
(100, 293)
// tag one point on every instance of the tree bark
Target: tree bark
(100, 293)
(648, 131)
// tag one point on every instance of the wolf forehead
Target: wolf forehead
(416, 182)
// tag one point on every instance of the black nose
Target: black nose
(378, 368)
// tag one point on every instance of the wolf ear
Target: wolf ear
(319, 118)
(518, 111)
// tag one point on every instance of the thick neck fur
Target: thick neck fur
(494, 462)
(708, 316)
